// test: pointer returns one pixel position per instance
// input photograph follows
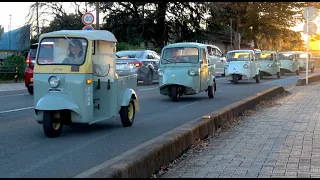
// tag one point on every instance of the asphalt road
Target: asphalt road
(27, 152)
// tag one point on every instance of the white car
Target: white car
(242, 65)
(216, 57)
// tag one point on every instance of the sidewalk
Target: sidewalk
(12, 87)
(281, 141)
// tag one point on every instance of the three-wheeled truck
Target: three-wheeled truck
(80, 84)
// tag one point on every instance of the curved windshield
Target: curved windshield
(238, 56)
(180, 55)
(129, 54)
(264, 56)
(62, 51)
(285, 56)
(303, 56)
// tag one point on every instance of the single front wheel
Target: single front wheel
(52, 124)
(235, 79)
(312, 69)
(297, 72)
(175, 94)
(127, 114)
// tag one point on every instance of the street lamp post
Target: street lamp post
(9, 29)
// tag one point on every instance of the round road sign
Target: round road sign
(87, 18)
(312, 13)
(312, 29)
(88, 27)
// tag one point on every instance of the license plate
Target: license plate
(119, 66)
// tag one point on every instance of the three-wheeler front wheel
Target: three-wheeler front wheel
(52, 124)
(175, 93)
(235, 79)
(127, 114)
(297, 72)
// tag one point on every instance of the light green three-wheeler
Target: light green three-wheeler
(288, 62)
(80, 85)
(184, 70)
(269, 65)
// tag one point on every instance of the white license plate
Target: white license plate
(119, 66)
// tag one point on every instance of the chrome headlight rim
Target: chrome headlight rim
(192, 72)
(53, 81)
(160, 72)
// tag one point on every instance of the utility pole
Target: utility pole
(9, 29)
(231, 48)
(97, 16)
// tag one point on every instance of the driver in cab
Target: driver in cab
(75, 53)
(176, 56)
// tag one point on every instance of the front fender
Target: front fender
(57, 101)
(126, 97)
(211, 79)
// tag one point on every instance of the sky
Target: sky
(19, 10)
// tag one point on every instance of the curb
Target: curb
(145, 161)
(302, 81)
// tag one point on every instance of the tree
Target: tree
(1, 31)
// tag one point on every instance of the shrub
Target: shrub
(10, 62)
(126, 46)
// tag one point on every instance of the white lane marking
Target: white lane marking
(147, 89)
(14, 95)
(14, 110)
(188, 104)
(279, 80)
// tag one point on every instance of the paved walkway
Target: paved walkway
(12, 87)
(281, 141)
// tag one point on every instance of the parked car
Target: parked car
(144, 63)
(46, 57)
(217, 58)
(28, 73)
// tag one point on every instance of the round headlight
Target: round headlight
(192, 72)
(53, 81)
(269, 65)
(290, 64)
(160, 72)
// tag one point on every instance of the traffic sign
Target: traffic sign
(312, 29)
(87, 27)
(310, 13)
(87, 18)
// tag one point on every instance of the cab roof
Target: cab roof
(241, 50)
(100, 35)
(267, 51)
(185, 44)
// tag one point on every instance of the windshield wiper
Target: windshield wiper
(69, 40)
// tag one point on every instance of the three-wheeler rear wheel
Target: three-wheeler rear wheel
(278, 75)
(127, 114)
(52, 125)
(212, 90)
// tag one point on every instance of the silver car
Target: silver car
(217, 58)
(144, 63)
